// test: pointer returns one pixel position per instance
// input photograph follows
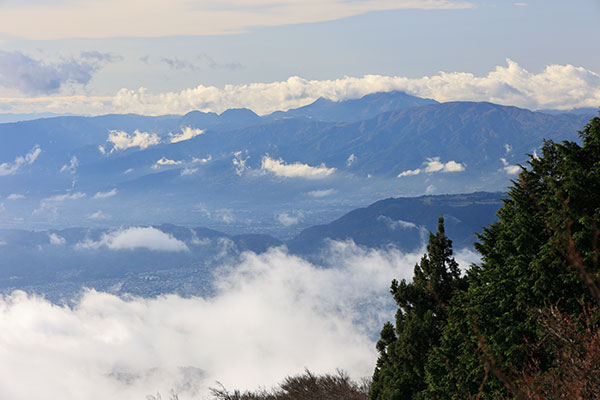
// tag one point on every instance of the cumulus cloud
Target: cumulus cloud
(122, 140)
(71, 167)
(433, 165)
(187, 133)
(104, 195)
(287, 219)
(136, 238)
(34, 77)
(56, 240)
(295, 170)
(165, 161)
(510, 169)
(556, 87)
(15, 196)
(11, 168)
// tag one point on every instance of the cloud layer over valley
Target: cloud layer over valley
(271, 315)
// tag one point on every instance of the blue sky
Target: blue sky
(95, 56)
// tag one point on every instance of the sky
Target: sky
(156, 57)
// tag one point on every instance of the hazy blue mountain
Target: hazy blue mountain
(405, 222)
(355, 109)
(217, 178)
(12, 117)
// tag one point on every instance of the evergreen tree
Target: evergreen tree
(421, 315)
(542, 251)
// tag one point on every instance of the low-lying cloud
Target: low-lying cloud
(122, 140)
(295, 170)
(433, 165)
(187, 133)
(136, 238)
(11, 168)
(271, 315)
(555, 87)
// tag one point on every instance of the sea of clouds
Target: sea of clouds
(272, 315)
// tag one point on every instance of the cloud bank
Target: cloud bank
(557, 87)
(11, 168)
(295, 170)
(271, 315)
(136, 238)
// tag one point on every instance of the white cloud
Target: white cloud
(273, 314)
(122, 140)
(287, 219)
(512, 169)
(432, 165)
(105, 195)
(71, 167)
(56, 240)
(557, 86)
(15, 196)
(136, 238)
(11, 168)
(321, 193)
(165, 161)
(521, 4)
(430, 189)
(128, 171)
(187, 133)
(295, 170)
(239, 162)
(351, 160)
(396, 224)
(182, 17)
(202, 160)
(409, 172)
(98, 215)
(507, 148)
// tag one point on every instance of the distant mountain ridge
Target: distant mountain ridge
(354, 110)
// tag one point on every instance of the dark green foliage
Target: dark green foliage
(460, 339)
(543, 250)
(421, 315)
